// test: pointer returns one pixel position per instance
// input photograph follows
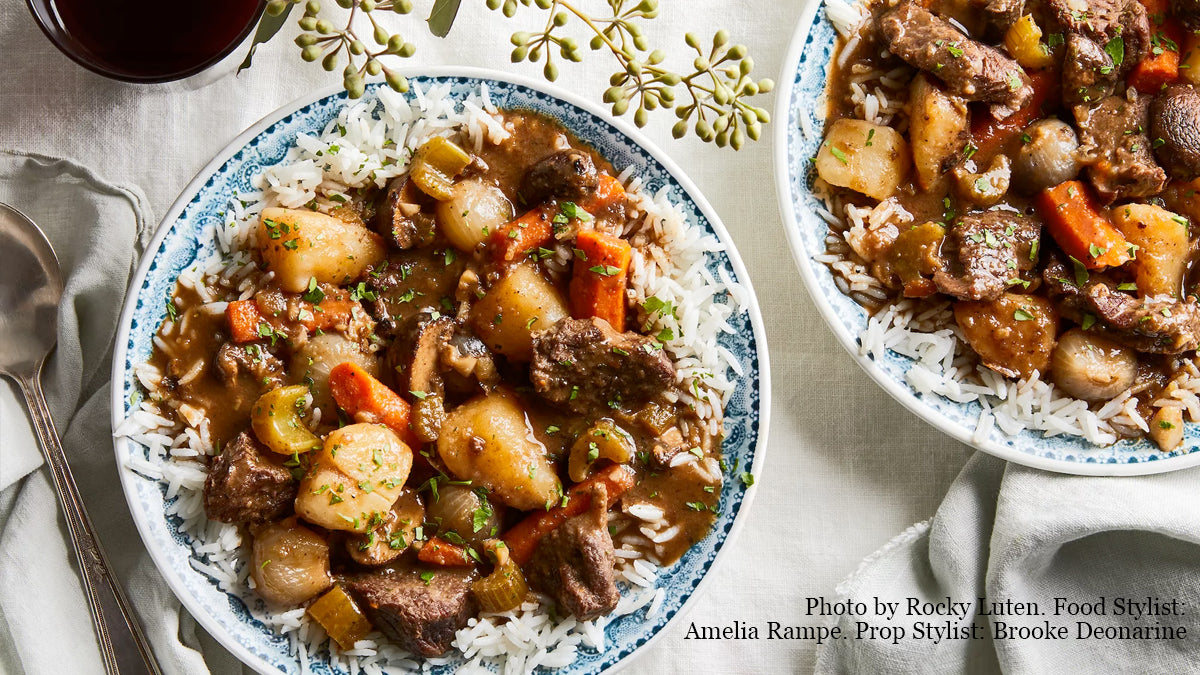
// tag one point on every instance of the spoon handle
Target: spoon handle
(123, 645)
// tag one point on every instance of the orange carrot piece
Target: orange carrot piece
(988, 134)
(1156, 9)
(522, 539)
(1160, 66)
(1080, 229)
(327, 314)
(366, 399)
(438, 551)
(608, 192)
(597, 285)
(244, 319)
(515, 239)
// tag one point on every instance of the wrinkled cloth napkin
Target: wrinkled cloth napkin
(1007, 532)
(97, 230)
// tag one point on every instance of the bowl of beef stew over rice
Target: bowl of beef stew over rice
(462, 379)
(992, 204)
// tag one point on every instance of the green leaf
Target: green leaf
(441, 18)
(268, 26)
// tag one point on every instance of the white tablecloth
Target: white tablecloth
(835, 487)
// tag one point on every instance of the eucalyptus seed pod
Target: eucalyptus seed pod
(324, 27)
(596, 42)
(354, 85)
(374, 67)
(560, 19)
(656, 57)
(650, 100)
(544, 4)
(357, 47)
(276, 7)
(394, 43)
(763, 115)
(671, 79)
(736, 139)
(765, 85)
(620, 107)
(753, 130)
(667, 94)
(618, 78)
(510, 8)
(691, 40)
(721, 124)
(633, 67)
(641, 42)
(722, 139)
(535, 54)
(518, 54)
(750, 89)
(402, 6)
(700, 63)
(367, 5)
(310, 53)
(648, 6)
(640, 117)
(345, 4)
(407, 50)
(613, 94)
(720, 94)
(720, 38)
(380, 35)
(306, 40)
(312, 7)
(493, 4)
(550, 71)
(704, 130)
(330, 61)
(308, 23)
(395, 80)
(738, 51)
(519, 39)
(680, 129)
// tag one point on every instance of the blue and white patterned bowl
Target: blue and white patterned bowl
(178, 243)
(800, 106)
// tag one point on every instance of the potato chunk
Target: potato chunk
(516, 306)
(867, 158)
(1013, 335)
(490, 441)
(299, 245)
(938, 127)
(358, 473)
(1162, 241)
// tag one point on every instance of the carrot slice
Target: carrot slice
(366, 399)
(1080, 229)
(1160, 65)
(515, 239)
(608, 192)
(244, 319)
(597, 285)
(522, 539)
(988, 134)
(438, 551)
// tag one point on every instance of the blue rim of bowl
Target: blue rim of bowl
(121, 367)
(787, 120)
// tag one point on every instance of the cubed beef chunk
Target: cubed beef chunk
(584, 365)
(412, 282)
(970, 69)
(1096, 32)
(247, 485)
(574, 563)
(1187, 11)
(993, 254)
(1001, 13)
(1155, 325)
(252, 360)
(1115, 146)
(567, 174)
(420, 608)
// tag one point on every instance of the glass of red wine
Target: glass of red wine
(146, 40)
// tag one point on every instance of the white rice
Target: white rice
(942, 364)
(368, 143)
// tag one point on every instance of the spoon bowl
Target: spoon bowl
(31, 288)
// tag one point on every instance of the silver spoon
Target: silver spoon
(31, 288)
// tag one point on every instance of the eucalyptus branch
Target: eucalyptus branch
(712, 100)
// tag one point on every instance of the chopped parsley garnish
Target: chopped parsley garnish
(838, 155)
(314, 294)
(572, 210)
(1022, 315)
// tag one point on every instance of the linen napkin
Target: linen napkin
(97, 230)
(1118, 554)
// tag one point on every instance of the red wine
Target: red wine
(154, 39)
